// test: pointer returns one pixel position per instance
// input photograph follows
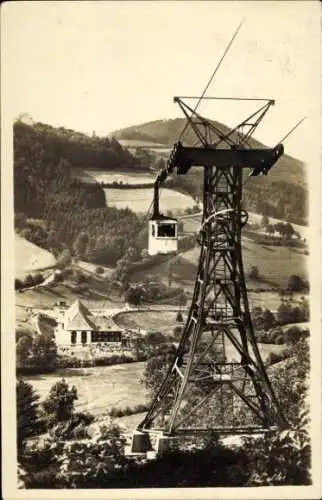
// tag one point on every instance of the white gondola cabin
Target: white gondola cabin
(163, 235)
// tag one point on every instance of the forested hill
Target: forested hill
(282, 194)
(72, 217)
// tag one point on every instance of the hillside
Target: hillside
(282, 194)
(275, 264)
(166, 132)
(30, 258)
(71, 217)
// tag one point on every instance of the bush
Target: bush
(254, 273)
(296, 283)
(18, 284)
(294, 334)
(59, 404)
(155, 338)
(179, 317)
(177, 332)
(80, 278)
(99, 270)
(38, 279)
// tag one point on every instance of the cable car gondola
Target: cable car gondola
(163, 230)
(163, 235)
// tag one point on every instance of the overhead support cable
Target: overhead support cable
(213, 75)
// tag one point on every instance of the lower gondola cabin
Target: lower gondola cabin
(163, 235)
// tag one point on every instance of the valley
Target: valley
(86, 220)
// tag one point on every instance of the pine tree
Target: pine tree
(27, 413)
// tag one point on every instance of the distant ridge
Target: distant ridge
(166, 132)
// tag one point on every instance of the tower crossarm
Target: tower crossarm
(259, 160)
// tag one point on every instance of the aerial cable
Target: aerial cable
(283, 139)
(212, 76)
(292, 130)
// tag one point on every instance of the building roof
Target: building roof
(78, 317)
(163, 218)
(106, 324)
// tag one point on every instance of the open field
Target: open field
(165, 323)
(148, 320)
(139, 200)
(30, 258)
(275, 264)
(101, 388)
(46, 297)
(98, 388)
(192, 223)
(124, 177)
(135, 143)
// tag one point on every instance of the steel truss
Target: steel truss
(217, 380)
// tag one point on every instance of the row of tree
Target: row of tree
(265, 319)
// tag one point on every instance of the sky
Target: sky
(101, 66)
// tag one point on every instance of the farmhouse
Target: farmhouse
(80, 327)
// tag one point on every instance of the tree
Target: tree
(64, 259)
(285, 458)
(270, 229)
(23, 350)
(294, 334)
(92, 463)
(20, 220)
(81, 244)
(254, 273)
(155, 338)
(265, 221)
(29, 281)
(179, 317)
(59, 405)
(280, 228)
(268, 319)
(27, 413)
(288, 230)
(296, 283)
(177, 332)
(133, 295)
(18, 284)
(44, 352)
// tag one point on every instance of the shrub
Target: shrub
(38, 279)
(99, 270)
(177, 332)
(179, 317)
(59, 405)
(18, 284)
(296, 283)
(254, 273)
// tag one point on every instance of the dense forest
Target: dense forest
(73, 216)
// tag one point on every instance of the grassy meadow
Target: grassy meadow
(29, 258)
(139, 200)
(99, 388)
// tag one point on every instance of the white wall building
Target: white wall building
(79, 327)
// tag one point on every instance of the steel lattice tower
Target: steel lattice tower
(217, 381)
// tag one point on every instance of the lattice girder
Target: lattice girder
(218, 380)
